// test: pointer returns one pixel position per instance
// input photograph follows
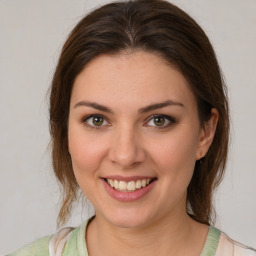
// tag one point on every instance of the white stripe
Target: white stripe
(57, 241)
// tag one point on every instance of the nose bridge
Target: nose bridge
(126, 147)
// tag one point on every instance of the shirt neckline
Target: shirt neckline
(209, 249)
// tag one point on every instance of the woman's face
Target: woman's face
(134, 136)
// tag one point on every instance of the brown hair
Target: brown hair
(153, 26)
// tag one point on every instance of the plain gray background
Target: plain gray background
(31, 35)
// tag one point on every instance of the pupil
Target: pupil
(97, 121)
(159, 121)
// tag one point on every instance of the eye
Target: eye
(95, 121)
(161, 121)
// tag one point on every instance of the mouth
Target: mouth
(130, 186)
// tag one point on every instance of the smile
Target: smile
(130, 186)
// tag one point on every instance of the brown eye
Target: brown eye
(95, 121)
(159, 121)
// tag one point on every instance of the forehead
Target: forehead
(138, 77)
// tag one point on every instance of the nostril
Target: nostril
(127, 159)
(127, 155)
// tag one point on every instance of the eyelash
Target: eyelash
(170, 121)
(87, 118)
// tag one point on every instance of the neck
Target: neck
(166, 236)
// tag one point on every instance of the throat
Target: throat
(102, 239)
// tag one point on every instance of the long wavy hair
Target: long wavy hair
(154, 26)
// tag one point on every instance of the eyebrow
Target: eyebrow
(160, 105)
(93, 105)
(141, 110)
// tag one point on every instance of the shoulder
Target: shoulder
(39, 248)
(67, 241)
(228, 246)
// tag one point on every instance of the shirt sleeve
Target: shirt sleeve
(229, 247)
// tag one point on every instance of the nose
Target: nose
(126, 148)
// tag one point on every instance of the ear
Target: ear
(206, 135)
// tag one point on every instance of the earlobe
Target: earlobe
(207, 134)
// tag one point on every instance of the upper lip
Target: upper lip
(127, 179)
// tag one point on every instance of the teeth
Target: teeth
(116, 184)
(128, 186)
(111, 183)
(122, 185)
(138, 184)
(131, 186)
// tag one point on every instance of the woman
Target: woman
(139, 122)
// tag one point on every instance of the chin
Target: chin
(129, 218)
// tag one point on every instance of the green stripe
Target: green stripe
(81, 245)
(212, 242)
(76, 243)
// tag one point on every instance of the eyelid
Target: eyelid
(86, 118)
(171, 120)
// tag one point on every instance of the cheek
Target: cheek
(86, 155)
(175, 155)
(175, 151)
(86, 152)
(175, 161)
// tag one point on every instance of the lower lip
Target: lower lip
(127, 196)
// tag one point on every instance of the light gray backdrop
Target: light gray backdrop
(31, 35)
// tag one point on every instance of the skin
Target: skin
(128, 143)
